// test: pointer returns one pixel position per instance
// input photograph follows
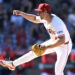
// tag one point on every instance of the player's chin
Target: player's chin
(41, 17)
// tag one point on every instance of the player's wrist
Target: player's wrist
(43, 46)
(21, 13)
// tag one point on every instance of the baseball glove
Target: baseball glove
(37, 50)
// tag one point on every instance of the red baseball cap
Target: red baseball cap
(43, 7)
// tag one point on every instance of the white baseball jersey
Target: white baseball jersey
(55, 28)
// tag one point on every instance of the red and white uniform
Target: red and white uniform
(55, 29)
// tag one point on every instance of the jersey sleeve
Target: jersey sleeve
(38, 18)
(59, 28)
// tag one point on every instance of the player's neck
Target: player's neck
(49, 18)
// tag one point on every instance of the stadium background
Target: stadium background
(17, 35)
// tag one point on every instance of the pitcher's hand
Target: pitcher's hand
(16, 12)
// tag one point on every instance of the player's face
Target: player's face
(41, 14)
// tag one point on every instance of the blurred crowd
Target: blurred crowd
(17, 33)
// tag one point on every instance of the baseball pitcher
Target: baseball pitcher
(60, 41)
